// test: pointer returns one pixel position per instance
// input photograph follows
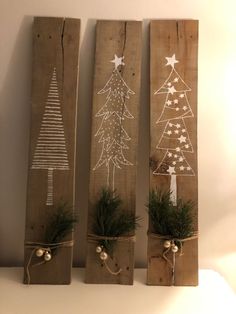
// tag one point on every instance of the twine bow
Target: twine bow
(49, 247)
(173, 242)
(96, 238)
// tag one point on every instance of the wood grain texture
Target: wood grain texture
(55, 50)
(121, 38)
(179, 37)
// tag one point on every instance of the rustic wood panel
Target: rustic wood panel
(51, 177)
(173, 96)
(115, 40)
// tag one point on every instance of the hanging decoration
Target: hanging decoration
(111, 224)
(60, 224)
(173, 225)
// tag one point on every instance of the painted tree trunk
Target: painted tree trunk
(50, 187)
(173, 189)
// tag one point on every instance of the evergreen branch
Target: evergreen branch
(166, 219)
(61, 223)
(110, 220)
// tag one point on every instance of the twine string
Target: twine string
(96, 238)
(46, 247)
(173, 241)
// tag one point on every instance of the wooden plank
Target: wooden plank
(51, 177)
(173, 127)
(115, 40)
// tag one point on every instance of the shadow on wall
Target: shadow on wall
(14, 139)
(85, 93)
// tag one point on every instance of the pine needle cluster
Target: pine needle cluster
(167, 219)
(110, 220)
(60, 224)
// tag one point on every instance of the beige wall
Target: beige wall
(217, 118)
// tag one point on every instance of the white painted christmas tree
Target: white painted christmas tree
(175, 138)
(111, 132)
(50, 152)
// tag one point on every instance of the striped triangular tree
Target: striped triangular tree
(50, 152)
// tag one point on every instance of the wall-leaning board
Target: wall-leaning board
(51, 179)
(114, 134)
(173, 128)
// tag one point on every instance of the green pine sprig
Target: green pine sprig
(60, 224)
(110, 220)
(166, 219)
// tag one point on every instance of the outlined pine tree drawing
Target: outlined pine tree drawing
(111, 133)
(50, 152)
(175, 138)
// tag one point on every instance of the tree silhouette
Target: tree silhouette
(111, 132)
(175, 138)
(50, 152)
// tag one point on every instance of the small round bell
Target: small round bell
(98, 249)
(103, 256)
(47, 256)
(174, 249)
(39, 252)
(167, 244)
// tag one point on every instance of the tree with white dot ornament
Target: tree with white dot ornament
(111, 133)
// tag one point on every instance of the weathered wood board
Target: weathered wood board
(173, 130)
(117, 73)
(51, 177)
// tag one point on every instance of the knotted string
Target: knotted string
(46, 247)
(173, 241)
(96, 238)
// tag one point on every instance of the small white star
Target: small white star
(171, 61)
(185, 108)
(171, 90)
(181, 96)
(169, 154)
(181, 159)
(181, 168)
(176, 79)
(170, 124)
(177, 149)
(169, 84)
(183, 130)
(182, 139)
(171, 170)
(188, 168)
(169, 132)
(176, 101)
(118, 61)
(175, 155)
(186, 146)
(169, 102)
(177, 125)
(174, 163)
(177, 109)
(176, 132)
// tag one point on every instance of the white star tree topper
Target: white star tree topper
(171, 61)
(118, 61)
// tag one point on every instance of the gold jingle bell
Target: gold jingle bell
(39, 252)
(47, 256)
(103, 256)
(98, 249)
(174, 249)
(167, 244)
